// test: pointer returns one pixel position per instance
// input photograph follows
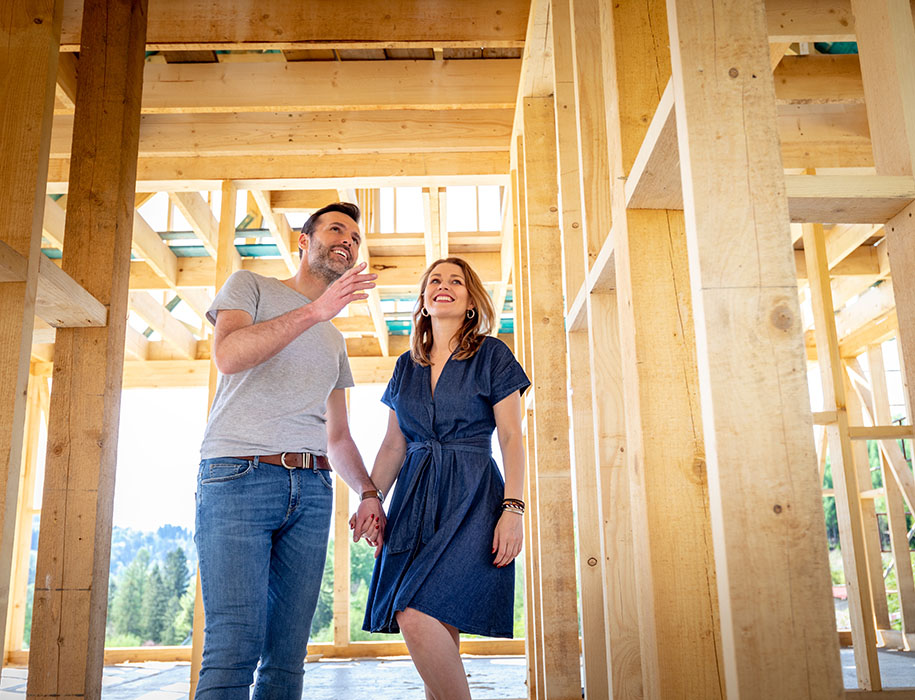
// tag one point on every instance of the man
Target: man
(264, 491)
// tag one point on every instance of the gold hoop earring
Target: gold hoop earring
(424, 311)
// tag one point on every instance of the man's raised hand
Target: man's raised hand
(349, 287)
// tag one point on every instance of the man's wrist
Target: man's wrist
(372, 493)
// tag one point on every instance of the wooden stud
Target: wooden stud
(341, 561)
(19, 578)
(227, 262)
(870, 531)
(849, 507)
(895, 510)
(587, 485)
(748, 336)
(554, 494)
(665, 455)
(30, 52)
(71, 594)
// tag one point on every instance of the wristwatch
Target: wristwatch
(373, 493)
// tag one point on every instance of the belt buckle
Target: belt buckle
(307, 460)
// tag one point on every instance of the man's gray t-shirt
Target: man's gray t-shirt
(280, 404)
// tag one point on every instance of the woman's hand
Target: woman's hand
(508, 538)
(369, 521)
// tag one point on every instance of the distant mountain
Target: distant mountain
(127, 542)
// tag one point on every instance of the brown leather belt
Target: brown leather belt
(295, 460)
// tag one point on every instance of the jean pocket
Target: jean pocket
(225, 470)
(325, 477)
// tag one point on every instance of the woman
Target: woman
(454, 528)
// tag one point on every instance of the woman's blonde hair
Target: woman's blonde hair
(472, 331)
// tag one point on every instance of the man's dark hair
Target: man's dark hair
(351, 210)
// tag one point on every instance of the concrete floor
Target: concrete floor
(491, 678)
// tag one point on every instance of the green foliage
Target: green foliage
(151, 604)
(155, 603)
(126, 615)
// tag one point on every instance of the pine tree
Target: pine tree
(127, 607)
(155, 603)
(175, 574)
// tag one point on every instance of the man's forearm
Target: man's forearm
(347, 462)
(250, 346)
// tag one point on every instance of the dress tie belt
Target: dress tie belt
(416, 520)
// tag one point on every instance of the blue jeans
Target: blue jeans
(261, 540)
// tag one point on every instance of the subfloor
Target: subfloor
(491, 678)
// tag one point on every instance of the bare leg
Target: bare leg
(433, 646)
(456, 636)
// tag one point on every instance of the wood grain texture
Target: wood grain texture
(31, 35)
(558, 606)
(68, 628)
(758, 439)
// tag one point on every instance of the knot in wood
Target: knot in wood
(733, 73)
(553, 209)
(592, 561)
(38, 20)
(781, 317)
(776, 509)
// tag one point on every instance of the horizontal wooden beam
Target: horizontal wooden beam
(394, 273)
(881, 432)
(819, 79)
(811, 136)
(357, 650)
(287, 201)
(865, 199)
(60, 301)
(310, 133)
(330, 86)
(459, 242)
(299, 172)
(250, 24)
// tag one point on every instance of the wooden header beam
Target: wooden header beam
(293, 172)
(274, 24)
(330, 86)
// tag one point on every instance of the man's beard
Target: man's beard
(322, 265)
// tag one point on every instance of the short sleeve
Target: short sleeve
(393, 387)
(507, 374)
(345, 376)
(239, 292)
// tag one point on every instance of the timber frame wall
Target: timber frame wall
(680, 179)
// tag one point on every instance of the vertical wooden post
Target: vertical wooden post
(678, 616)
(19, 578)
(71, 591)
(227, 262)
(876, 588)
(756, 416)
(895, 509)
(844, 473)
(342, 553)
(28, 59)
(618, 545)
(589, 530)
(533, 632)
(558, 605)
(886, 47)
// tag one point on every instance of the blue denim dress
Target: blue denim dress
(437, 557)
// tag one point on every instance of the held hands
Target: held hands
(508, 537)
(341, 292)
(368, 521)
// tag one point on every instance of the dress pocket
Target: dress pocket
(226, 470)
